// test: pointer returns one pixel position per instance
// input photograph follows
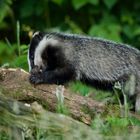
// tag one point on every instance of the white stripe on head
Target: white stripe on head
(29, 64)
(40, 48)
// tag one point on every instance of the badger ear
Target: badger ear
(38, 36)
(35, 33)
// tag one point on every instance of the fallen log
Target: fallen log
(14, 84)
(20, 121)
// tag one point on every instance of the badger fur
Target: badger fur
(59, 58)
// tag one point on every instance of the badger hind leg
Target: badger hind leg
(127, 85)
(137, 103)
(132, 89)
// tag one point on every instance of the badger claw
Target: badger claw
(36, 78)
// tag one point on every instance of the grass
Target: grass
(113, 123)
(61, 108)
(13, 55)
(86, 90)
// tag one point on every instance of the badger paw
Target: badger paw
(36, 79)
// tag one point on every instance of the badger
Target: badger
(59, 58)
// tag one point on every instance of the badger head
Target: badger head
(39, 42)
(36, 38)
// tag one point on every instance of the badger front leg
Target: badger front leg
(36, 75)
(57, 76)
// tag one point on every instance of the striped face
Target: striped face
(37, 37)
(38, 44)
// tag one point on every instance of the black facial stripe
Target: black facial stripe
(53, 57)
(33, 44)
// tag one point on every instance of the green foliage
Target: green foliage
(116, 128)
(4, 8)
(77, 4)
(134, 121)
(4, 136)
(94, 2)
(110, 3)
(9, 56)
(118, 122)
(59, 2)
(110, 19)
(86, 90)
(106, 31)
(78, 87)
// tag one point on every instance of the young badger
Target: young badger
(59, 58)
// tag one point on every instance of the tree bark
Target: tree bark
(14, 84)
